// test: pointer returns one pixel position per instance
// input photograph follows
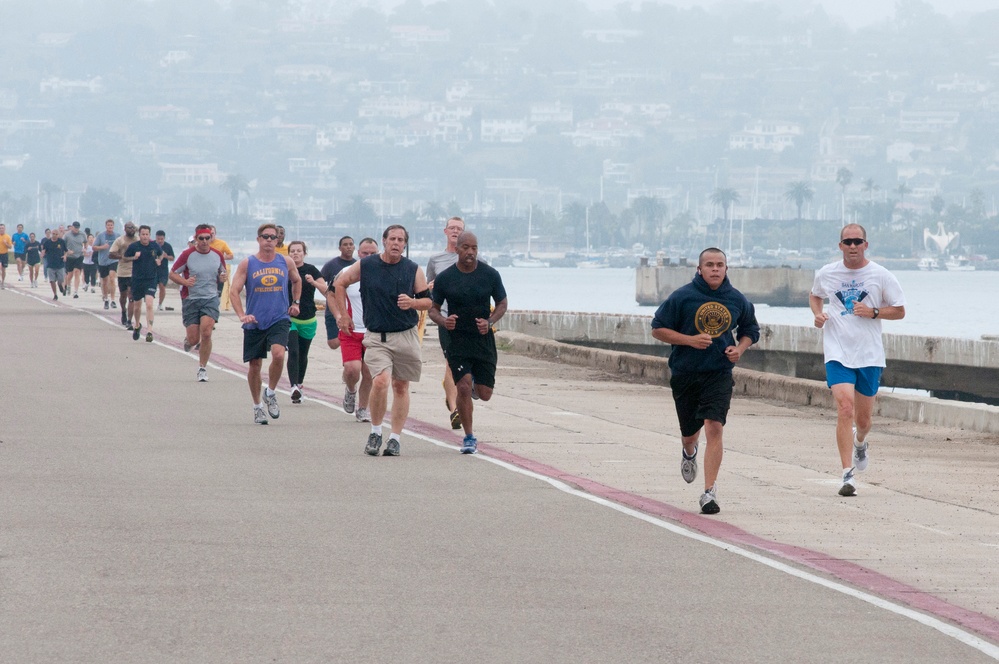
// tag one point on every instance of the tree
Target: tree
(799, 192)
(99, 203)
(844, 176)
(453, 208)
(48, 192)
(937, 204)
(234, 185)
(648, 211)
(433, 211)
(680, 228)
(574, 218)
(360, 213)
(286, 218)
(870, 186)
(725, 198)
(902, 190)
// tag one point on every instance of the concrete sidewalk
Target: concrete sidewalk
(923, 529)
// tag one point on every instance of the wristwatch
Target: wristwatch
(876, 313)
(299, 302)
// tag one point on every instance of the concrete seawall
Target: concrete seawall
(776, 286)
(559, 335)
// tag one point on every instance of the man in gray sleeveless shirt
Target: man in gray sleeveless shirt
(393, 290)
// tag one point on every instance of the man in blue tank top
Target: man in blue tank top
(393, 290)
(266, 320)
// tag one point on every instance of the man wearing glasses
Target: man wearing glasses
(861, 294)
(266, 320)
(454, 227)
(198, 271)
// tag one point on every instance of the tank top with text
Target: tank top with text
(266, 292)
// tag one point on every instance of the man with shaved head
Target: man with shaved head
(708, 325)
(470, 288)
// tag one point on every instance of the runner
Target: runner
(470, 288)
(6, 244)
(708, 325)
(124, 272)
(75, 239)
(145, 257)
(281, 248)
(330, 270)
(393, 290)
(352, 342)
(89, 266)
(453, 227)
(197, 271)
(268, 276)
(163, 273)
(304, 325)
(861, 294)
(33, 257)
(107, 267)
(20, 239)
(54, 254)
(220, 245)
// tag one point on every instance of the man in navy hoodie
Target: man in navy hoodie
(698, 321)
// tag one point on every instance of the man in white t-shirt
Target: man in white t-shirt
(861, 294)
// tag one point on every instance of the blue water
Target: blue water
(942, 304)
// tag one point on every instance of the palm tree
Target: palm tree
(574, 217)
(725, 198)
(902, 189)
(233, 185)
(648, 211)
(870, 186)
(360, 213)
(434, 211)
(799, 192)
(937, 204)
(49, 190)
(844, 176)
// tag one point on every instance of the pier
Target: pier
(776, 286)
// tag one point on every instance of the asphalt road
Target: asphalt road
(144, 517)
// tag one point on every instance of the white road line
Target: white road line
(953, 632)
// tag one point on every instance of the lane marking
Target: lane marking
(960, 635)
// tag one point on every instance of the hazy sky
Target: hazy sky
(855, 12)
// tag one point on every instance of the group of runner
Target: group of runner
(373, 307)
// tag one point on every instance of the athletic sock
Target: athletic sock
(377, 430)
(393, 436)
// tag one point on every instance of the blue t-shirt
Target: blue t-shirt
(266, 292)
(102, 254)
(20, 240)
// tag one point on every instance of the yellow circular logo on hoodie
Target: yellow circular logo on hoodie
(713, 318)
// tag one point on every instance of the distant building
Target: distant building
(503, 131)
(772, 136)
(190, 175)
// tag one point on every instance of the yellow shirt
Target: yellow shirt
(6, 244)
(221, 247)
(282, 250)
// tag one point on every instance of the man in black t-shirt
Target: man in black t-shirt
(163, 272)
(470, 288)
(329, 272)
(146, 257)
(54, 255)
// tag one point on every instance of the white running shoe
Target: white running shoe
(362, 415)
(349, 400)
(688, 467)
(270, 400)
(849, 487)
(860, 458)
(709, 502)
(259, 416)
(202, 375)
(296, 394)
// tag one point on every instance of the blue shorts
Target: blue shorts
(865, 380)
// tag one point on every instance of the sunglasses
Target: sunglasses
(267, 236)
(204, 237)
(853, 241)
